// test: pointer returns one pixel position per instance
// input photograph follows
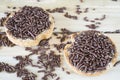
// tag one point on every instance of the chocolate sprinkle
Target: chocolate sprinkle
(67, 15)
(95, 22)
(114, 0)
(116, 31)
(14, 7)
(91, 51)
(58, 78)
(7, 14)
(86, 10)
(68, 72)
(81, 1)
(48, 62)
(28, 22)
(63, 69)
(59, 10)
(59, 47)
(92, 26)
(78, 11)
(20, 68)
(4, 41)
(2, 20)
(44, 42)
(66, 31)
(6, 67)
(118, 62)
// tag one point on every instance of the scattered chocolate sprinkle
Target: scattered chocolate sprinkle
(98, 23)
(20, 68)
(81, 1)
(23, 61)
(68, 72)
(35, 65)
(55, 28)
(38, 0)
(44, 42)
(118, 62)
(70, 16)
(69, 42)
(63, 38)
(28, 22)
(1, 67)
(7, 14)
(28, 48)
(46, 76)
(91, 52)
(94, 9)
(4, 41)
(97, 19)
(86, 10)
(59, 10)
(42, 71)
(58, 78)
(66, 31)
(30, 76)
(6, 67)
(2, 20)
(8, 7)
(103, 17)
(63, 69)
(78, 11)
(55, 34)
(95, 22)
(78, 6)
(22, 72)
(14, 7)
(46, 61)
(50, 62)
(59, 37)
(92, 21)
(114, 0)
(59, 46)
(116, 31)
(86, 19)
(92, 26)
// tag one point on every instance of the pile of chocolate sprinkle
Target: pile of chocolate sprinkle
(28, 22)
(91, 51)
